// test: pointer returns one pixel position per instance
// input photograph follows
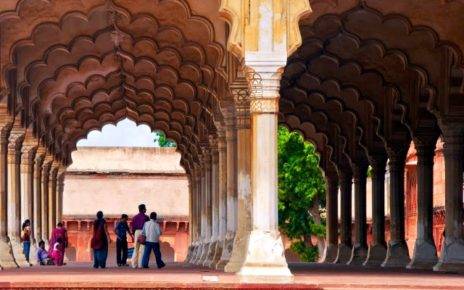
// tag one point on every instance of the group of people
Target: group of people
(57, 245)
(145, 233)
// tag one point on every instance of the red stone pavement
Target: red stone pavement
(181, 276)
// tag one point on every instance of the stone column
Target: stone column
(52, 196)
(6, 255)
(377, 249)
(359, 253)
(198, 200)
(37, 199)
(231, 210)
(27, 188)
(214, 202)
(244, 197)
(59, 194)
(397, 251)
(14, 196)
(195, 215)
(425, 252)
(191, 218)
(331, 245)
(203, 220)
(206, 205)
(222, 155)
(452, 254)
(44, 197)
(345, 246)
(265, 249)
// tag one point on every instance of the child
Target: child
(42, 255)
(57, 253)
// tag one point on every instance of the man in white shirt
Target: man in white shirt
(152, 232)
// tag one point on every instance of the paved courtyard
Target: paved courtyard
(181, 276)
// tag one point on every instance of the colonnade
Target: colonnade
(31, 187)
(345, 248)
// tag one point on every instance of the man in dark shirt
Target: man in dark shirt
(137, 225)
(121, 230)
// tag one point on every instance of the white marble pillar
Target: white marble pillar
(425, 252)
(452, 254)
(222, 203)
(27, 187)
(207, 206)
(6, 255)
(59, 193)
(265, 249)
(202, 207)
(14, 195)
(231, 209)
(331, 245)
(37, 199)
(44, 197)
(244, 199)
(52, 196)
(214, 202)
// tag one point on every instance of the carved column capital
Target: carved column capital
(28, 152)
(241, 94)
(221, 141)
(15, 142)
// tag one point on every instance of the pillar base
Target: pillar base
(452, 258)
(358, 255)
(211, 253)
(195, 254)
(7, 260)
(204, 253)
(397, 254)
(424, 256)
(375, 255)
(226, 253)
(189, 254)
(344, 254)
(330, 253)
(18, 254)
(217, 254)
(238, 253)
(265, 256)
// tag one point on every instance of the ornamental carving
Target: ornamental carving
(265, 105)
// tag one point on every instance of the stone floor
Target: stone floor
(180, 276)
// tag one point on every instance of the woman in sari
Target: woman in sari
(59, 232)
(99, 242)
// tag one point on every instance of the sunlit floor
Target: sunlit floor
(181, 276)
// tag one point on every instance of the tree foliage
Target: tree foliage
(301, 193)
(163, 141)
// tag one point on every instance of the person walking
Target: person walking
(59, 232)
(100, 241)
(121, 230)
(26, 238)
(137, 225)
(152, 232)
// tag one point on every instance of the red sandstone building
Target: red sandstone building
(116, 180)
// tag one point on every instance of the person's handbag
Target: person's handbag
(141, 239)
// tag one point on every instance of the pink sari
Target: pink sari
(57, 254)
(58, 232)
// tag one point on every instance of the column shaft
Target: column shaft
(397, 251)
(425, 252)
(452, 255)
(359, 253)
(331, 247)
(377, 249)
(222, 199)
(44, 198)
(345, 246)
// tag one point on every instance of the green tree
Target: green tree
(301, 194)
(163, 141)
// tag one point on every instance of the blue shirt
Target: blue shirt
(121, 230)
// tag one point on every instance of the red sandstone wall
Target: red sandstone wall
(174, 240)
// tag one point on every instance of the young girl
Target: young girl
(57, 252)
